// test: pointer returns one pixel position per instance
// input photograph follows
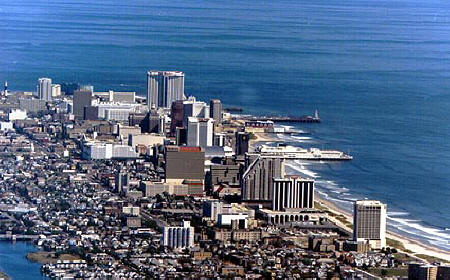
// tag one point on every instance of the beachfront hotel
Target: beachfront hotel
(164, 87)
(370, 223)
(45, 89)
(292, 192)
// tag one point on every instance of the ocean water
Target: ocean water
(378, 72)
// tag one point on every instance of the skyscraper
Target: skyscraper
(45, 89)
(200, 132)
(121, 180)
(81, 99)
(292, 192)
(242, 142)
(164, 87)
(215, 109)
(56, 90)
(194, 108)
(369, 220)
(176, 116)
(257, 181)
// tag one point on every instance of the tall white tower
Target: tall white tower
(164, 87)
(45, 89)
(200, 132)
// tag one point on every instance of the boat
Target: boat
(291, 152)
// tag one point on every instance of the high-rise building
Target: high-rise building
(81, 99)
(156, 122)
(257, 181)
(56, 90)
(194, 108)
(179, 237)
(121, 180)
(369, 220)
(45, 89)
(176, 116)
(242, 143)
(200, 132)
(184, 163)
(292, 192)
(164, 87)
(215, 110)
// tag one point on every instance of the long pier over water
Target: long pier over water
(291, 119)
(304, 119)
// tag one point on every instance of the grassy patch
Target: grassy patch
(385, 272)
(342, 219)
(396, 244)
(404, 258)
(50, 257)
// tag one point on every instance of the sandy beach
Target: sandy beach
(412, 247)
(263, 137)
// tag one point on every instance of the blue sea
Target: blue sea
(378, 72)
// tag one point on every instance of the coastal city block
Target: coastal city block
(112, 185)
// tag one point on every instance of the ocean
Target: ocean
(377, 71)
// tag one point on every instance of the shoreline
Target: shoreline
(15, 264)
(408, 245)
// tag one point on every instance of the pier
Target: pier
(304, 119)
(286, 119)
